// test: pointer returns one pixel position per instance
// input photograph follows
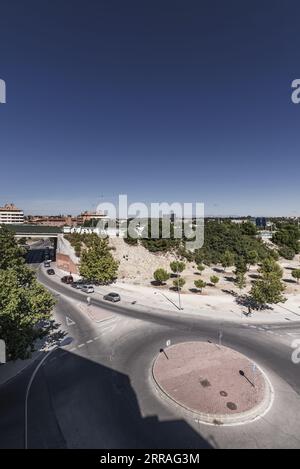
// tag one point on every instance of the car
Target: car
(87, 288)
(112, 297)
(50, 272)
(67, 279)
(78, 284)
(46, 263)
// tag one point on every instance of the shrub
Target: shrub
(161, 275)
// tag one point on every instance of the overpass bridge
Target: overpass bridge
(62, 252)
(35, 231)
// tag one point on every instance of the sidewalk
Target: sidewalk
(215, 307)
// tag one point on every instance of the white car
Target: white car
(87, 288)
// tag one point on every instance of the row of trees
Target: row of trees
(268, 288)
(177, 267)
(25, 305)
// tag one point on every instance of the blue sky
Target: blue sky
(161, 100)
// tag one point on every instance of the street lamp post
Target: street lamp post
(178, 286)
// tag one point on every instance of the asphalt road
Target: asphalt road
(95, 390)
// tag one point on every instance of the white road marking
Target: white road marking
(107, 329)
(28, 390)
(69, 321)
(89, 341)
(81, 345)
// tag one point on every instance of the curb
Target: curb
(242, 418)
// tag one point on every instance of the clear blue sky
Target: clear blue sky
(163, 100)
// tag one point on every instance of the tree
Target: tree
(214, 279)
(270, 266)
(200, 284)
(177, 267)
(240, 265)
(179, 283)
(251, 258)
(25, 305)
(227, 259)
(269, 289)
(200, 268)
(97, 263)
(288, 235)
(161, 275)
(287, 252)
(296, 274)
(240, 280)
(11, 255)
(25, 311)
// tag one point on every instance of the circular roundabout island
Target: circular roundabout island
(213, 383)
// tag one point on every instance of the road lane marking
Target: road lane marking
(81, 345)
(69, 321)
(28, 390)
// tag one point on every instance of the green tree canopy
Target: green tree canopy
(179, 282)
(227, 260)
(25, 305)
(200, 268)
(240, 280)
(240, 265)
(200, 284)
(11, 255)
(270, 266)
(161, 275)
(177, 266)
(296, 274)
(214, 279)
(267, 290)
(251, 257)
(97, 263)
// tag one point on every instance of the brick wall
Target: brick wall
(64, 262)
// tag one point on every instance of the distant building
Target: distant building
(10, 214)
(66, 220)
(88, 216)
(51, 220)
(261, 222)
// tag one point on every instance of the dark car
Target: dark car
(67, 279)
(112, 297)
(50, 272)
(78, 284)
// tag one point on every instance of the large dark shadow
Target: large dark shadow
(38, 255)
(78, 403)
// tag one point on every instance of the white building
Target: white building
(10, 214)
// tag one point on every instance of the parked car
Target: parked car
(112, 297)
(50, 272)
(77, 284)
(67, 279)
(47, 264)
(87, 288)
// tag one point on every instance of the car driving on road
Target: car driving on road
(87, 288)
(112, 297)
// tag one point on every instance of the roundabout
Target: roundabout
(215, 384)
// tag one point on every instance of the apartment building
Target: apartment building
(10, 214)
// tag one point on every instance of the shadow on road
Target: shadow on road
(78, 403)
